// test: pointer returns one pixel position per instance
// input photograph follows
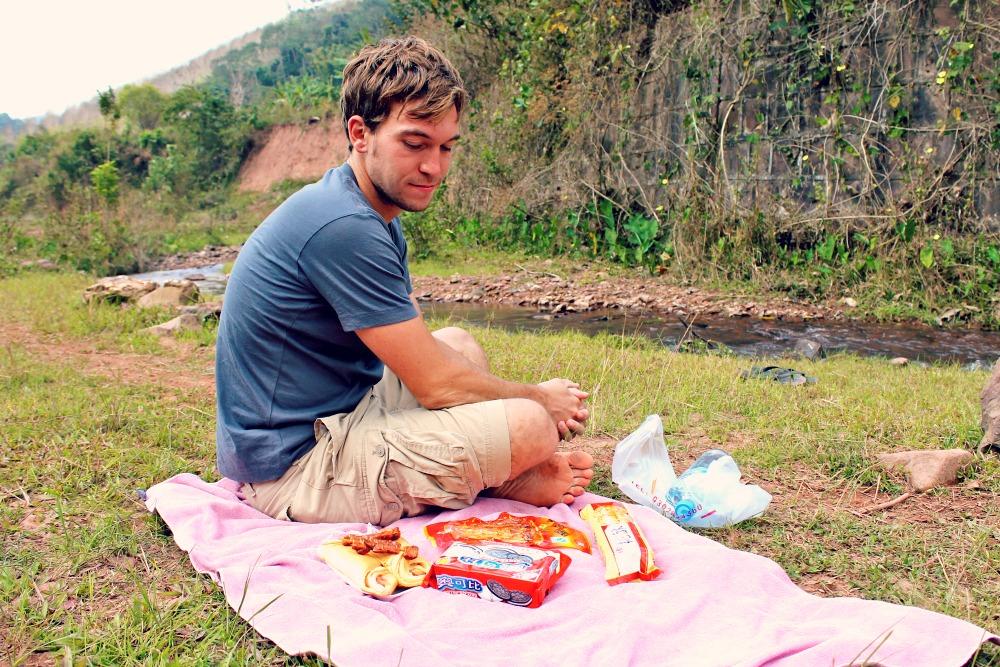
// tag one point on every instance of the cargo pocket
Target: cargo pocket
(436, 469)
(332, 485)
(331, 463)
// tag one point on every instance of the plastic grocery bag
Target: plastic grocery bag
(707, 495)
(641, 466)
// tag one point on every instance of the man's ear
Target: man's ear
(358, 134)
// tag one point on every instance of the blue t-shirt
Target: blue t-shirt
(322, 265)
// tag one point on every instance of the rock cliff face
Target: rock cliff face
(991, 411)
(294, 152)
(799, 128)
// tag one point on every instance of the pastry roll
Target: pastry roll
(365, 572)
(409, 572)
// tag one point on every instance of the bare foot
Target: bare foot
(559, 480)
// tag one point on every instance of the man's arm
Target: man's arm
(448, 350)
(440, 377)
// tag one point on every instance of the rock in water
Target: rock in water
(117, 289)
(172, 294)
(926, 469)
(809, 349)
(991, 411)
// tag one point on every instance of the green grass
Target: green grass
(85, 570)
(52, 304)
(479, 261)
(87, 574)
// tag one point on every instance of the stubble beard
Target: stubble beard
(387, 198)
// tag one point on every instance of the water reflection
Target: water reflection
(752, 337)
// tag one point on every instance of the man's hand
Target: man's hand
(564, 401)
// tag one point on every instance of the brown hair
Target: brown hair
(404, 70)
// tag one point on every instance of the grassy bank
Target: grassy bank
(86, 573)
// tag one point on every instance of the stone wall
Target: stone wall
(833, 117)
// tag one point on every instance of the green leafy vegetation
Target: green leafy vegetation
(160, 172)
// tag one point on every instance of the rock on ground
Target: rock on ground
(117, 289)
(204, 311)
(991, 411)
(926, 469)
(172, 294)
(46, 264)
(185, 322)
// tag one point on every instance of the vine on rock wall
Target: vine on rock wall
(848, 143)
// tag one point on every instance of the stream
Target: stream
(975, 349)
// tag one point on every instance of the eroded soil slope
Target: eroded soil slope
(293, 152)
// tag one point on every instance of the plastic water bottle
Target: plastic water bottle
(690, 494)
(709, 493)
(702, 463)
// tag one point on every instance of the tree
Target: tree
(105, 179)
(143, 104)
(212, 135)
(108, 105)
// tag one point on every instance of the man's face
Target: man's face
(408, 158)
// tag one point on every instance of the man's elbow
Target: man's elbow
(439, 392)
(435, 398)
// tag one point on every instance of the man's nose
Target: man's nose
(433, 165)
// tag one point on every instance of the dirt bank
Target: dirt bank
(584, 290)
(296, 152)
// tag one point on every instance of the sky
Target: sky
(56, 54)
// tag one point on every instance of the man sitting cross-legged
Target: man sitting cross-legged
(335, 401)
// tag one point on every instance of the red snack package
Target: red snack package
(499, 572)
(536, 531)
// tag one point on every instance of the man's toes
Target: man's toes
(580, 460)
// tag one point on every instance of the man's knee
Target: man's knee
(533, 435)
(464, 343)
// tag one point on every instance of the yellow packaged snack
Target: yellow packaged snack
(627, 555)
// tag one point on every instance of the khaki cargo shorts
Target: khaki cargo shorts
(391, 458)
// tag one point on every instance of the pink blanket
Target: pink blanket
(711, 606)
